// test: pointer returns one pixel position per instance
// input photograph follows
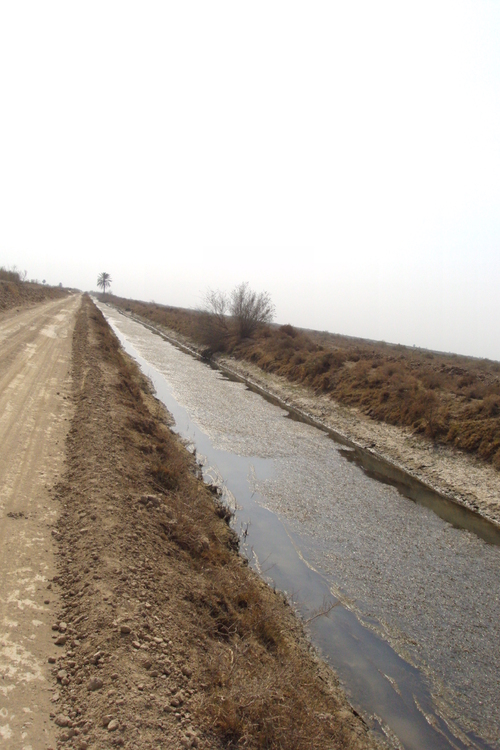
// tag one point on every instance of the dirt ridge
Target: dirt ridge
(17, 294)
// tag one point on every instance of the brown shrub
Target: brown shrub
(10, 275)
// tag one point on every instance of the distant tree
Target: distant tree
(250, 310)
(104, 281)
(213, 323)
(240, 313)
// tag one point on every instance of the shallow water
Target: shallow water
(415, 640)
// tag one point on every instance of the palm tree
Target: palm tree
(104, 280)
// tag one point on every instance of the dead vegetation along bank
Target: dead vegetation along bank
(17, 293)
(170, 639)
(451, 399)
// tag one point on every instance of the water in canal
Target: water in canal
(415, 638)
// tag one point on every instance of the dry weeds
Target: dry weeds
(14, 292)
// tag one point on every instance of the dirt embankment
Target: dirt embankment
(17, 294)
(164, 637)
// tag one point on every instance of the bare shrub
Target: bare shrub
(213, 325)
(288, 330)
(240, 314)
(250, 309)
(11, 274)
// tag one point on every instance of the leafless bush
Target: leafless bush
(240, 313)
(213, 326)
(12, 274)
(250, 310)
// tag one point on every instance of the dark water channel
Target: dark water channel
(414, 636)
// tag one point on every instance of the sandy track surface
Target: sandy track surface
(35, 361)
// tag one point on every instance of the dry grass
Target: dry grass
(15, 292)
(449, 398)
(11, 274)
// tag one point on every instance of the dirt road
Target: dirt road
(35, 347)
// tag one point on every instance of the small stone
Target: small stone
(62, 674)
(106, 719)
(68, 735)
(61, 640)
(136, 644)
(113, 725)
(52, 660)
(125, 629)
(46, 601)
(94, 684)
(61, 720)
(62, 627)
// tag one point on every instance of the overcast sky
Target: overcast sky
(344, 156)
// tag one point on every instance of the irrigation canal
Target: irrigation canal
(415, 636)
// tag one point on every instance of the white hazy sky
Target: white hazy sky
(344, 156)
